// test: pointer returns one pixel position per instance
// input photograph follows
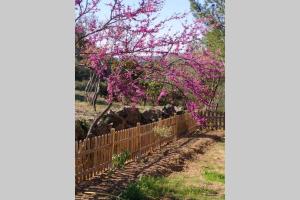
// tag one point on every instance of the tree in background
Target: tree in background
(214, 39)
(212, 9)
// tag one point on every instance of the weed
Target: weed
(119, 160)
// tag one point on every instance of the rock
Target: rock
(150, 116)
(126, 118)
(81, 129)
(168, 111)
(114, 119)
(131, 116)
(179, 110)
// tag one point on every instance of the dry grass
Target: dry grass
(206, 171)
(84, 110)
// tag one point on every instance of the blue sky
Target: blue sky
(170, 7)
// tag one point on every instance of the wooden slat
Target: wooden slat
(93, 155)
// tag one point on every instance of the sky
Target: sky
(170, 7)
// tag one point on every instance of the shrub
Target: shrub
(162, 131)
(82, 73)
(81, 129)
(119, 160)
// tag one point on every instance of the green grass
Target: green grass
(203, 179)
(212, 176)
(158, 187)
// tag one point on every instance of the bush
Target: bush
(81, 129)
(119, 160)
(81, 73)
(162, 132)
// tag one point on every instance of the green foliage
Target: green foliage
(215, 41)
(153, 89)
(81, 73)
(81, 129)
(133, 192)
(214, 176)
(82, 124)
(210, 8)
(215, 38)
(158, 187)
(119, 160)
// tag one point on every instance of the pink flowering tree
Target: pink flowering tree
(127, 49)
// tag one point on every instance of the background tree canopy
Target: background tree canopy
(215, 10)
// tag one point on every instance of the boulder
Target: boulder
(81, 129)
(150, 116)
(168, 111)
(126, 118)
(130, 115)
(179, 110)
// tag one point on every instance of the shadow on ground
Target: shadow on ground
(160, 162)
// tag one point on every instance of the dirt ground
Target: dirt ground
(193, 173)
(176, 157)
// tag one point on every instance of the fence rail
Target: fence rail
(94, 155)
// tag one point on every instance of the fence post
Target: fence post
(112, 131)
(159, 125)
(95, 147)
(176, 127)
(138, 125)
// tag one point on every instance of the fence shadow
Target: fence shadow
(163, 160)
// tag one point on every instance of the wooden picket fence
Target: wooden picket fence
(94, 155)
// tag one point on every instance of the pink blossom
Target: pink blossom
(162, 94)
(133, 34)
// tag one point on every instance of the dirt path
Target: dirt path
(171, 158)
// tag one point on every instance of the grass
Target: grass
(157, 187)
(84, 110)
(212, 176)
(203, 179)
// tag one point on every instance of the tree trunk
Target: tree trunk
(97, 119)
(94, 101)
(215, 88)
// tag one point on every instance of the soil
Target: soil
(212, 160)
(172, 157)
